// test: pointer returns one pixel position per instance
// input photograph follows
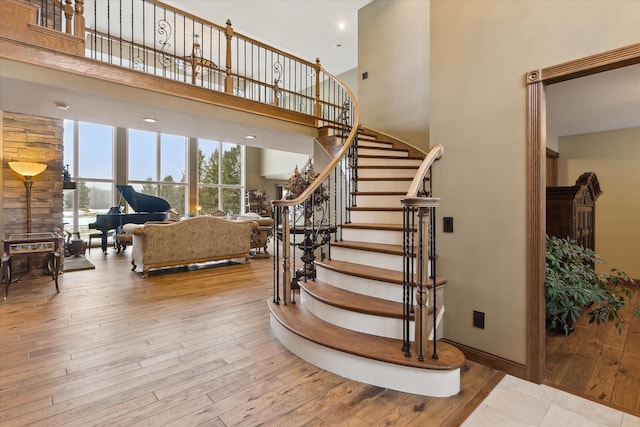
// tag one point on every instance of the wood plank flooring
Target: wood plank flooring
(597, 363)
(190, 347)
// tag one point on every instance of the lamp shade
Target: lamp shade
(27, 169)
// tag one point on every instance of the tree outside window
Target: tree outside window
(220, 188)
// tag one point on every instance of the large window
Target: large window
(220, 177)
(155, 164)
(89, 152)
(158, 165)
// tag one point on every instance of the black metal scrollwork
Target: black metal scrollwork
(165, 30)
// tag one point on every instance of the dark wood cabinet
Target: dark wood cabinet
(571, 210)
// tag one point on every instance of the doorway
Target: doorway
(536, 186)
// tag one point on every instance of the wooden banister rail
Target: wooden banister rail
(434, 154)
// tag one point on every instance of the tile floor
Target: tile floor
(515, 402)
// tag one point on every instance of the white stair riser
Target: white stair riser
(384, 186)
(364, 286)
(386, 173)
(362, 151)
(359, 322)
(360, 285)
(378, 201)
(365, 323)
(374, 161)
(424, 382)
(391, 237)
(376, 217)
(372, 259)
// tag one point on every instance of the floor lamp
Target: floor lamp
(28, 170)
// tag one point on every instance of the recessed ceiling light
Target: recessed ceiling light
(342, 25)
(250, 137)
(61, 106)
(150, 120)
(338, 45)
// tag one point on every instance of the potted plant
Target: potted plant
(572, 284)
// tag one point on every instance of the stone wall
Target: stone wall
(32, 139)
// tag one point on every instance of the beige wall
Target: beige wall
(480, 53)
(615, 158)
(393, 48)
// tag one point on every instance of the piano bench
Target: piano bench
(97, 235)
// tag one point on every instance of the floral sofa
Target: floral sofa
(189, 241)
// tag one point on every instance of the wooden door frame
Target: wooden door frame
(536, 192)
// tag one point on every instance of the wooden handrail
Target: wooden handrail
(433, 155)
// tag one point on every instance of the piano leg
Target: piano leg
(104, 242)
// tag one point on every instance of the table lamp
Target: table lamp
(28, 170)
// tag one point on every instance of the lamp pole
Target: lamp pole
(28, 183)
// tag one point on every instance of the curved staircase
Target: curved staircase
(348, 320)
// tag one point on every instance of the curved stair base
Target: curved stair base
(425, 382)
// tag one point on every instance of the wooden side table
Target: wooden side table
(28, 244)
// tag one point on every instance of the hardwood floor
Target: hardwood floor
(188, 347)
(597, 363)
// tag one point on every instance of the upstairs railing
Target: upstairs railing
(419, 254)
(155, 38)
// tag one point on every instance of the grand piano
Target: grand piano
(146, 207)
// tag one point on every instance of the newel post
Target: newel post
(67, 8)
(228, 81)
(422, 292)
(78, 21)
(317, 110)
(286, 257)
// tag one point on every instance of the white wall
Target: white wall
(393, 49)
(615, 158)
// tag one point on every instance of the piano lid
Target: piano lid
(141, 202)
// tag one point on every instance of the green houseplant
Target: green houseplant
(572, 285)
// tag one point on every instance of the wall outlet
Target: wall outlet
(478, 319)
(447, 224)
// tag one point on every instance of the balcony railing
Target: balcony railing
(154, 38)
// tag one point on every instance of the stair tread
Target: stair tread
(376, 156)
(372, 247)
(376, 208)
(385, 178)
(365, 143)
(352, 301)
(379, 193)
(388, 166)
(368, 272)
(374, 226)
(300, 321)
